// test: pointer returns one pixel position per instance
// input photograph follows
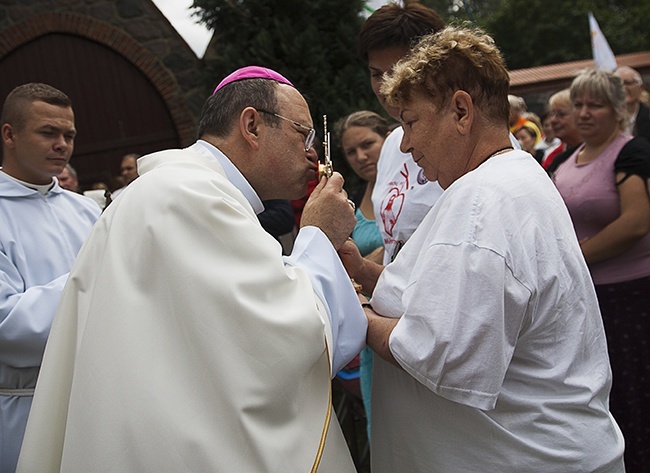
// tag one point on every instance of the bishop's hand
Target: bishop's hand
(328, 209)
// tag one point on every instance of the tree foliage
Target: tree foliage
(542, 32)
(314, 42)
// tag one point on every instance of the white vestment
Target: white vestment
(184, 343)
(40, 236)
(500, 337)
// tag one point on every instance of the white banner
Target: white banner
(603, 56)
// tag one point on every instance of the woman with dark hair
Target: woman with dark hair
(362, 135)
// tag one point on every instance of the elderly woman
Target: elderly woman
(605, 186)
(491, 351)
(564, 128)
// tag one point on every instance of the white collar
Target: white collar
(233, 174)
(42, 188)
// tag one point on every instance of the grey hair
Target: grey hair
(562, 97)
(517, 103)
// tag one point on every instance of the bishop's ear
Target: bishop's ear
(250, 121)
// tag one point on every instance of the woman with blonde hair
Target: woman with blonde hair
(604, 184)
(564, 128)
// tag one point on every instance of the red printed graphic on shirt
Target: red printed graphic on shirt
(393, 202)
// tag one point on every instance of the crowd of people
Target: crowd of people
(491, 272)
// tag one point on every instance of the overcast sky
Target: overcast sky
(197, 36)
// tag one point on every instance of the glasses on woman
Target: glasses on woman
(311, 133)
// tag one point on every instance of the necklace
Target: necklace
(496, 153)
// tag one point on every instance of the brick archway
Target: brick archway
(112, 37)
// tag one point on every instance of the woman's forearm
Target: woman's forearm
(621, 234)
(379, 330)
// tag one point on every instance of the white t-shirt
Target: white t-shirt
(503, 349)
(402, 195)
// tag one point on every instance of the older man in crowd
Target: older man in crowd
(639, 113)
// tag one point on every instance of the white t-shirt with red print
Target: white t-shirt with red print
(402, 195)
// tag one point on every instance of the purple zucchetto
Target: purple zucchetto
(252, 72)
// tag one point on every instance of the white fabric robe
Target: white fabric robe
(184, 343)
(40, 236)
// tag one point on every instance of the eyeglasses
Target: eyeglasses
(632, 82)
(311, 133)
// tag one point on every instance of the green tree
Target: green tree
(455, 11)
(541, 32)
(311, 42)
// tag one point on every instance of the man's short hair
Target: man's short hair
(222, 109)
(627, 70)
(453, 59)
(395, 25)
(13, 111)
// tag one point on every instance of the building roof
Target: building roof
(558, 76)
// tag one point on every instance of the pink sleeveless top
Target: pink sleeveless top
(591, 195)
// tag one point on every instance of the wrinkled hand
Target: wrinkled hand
(376, 256)
(364, 271)
(328, 209)
(351, 257)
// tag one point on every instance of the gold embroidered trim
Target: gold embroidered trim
(328, 416)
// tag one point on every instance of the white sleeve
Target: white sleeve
(25, 315)
(463, 315)
(314, 254)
